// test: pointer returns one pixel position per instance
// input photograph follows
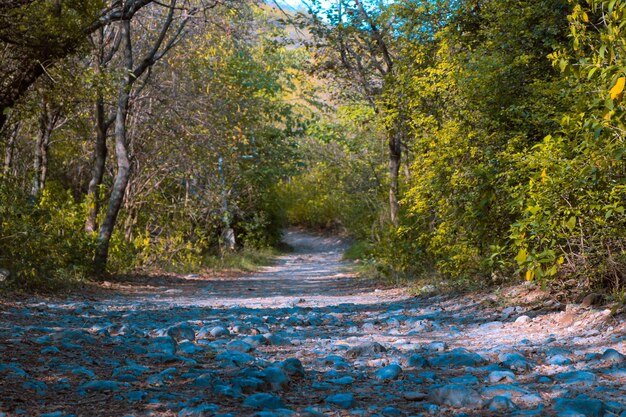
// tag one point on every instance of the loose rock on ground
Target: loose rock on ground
(304, 337)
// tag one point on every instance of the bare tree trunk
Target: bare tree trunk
(10, 149)
(121, 154)
(395, 159)
(97, 172)
(47, 123)
(122, 151)
(102, 125)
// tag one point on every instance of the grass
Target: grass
(245, 260)
(359, 250)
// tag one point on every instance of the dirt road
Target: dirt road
(305, 337)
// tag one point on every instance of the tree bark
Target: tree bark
(395, 160)
(122, 151)
(97, 173)
(10, 149)
(47, 124)
(121, 154)
(102, 124)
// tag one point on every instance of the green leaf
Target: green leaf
(571, 223)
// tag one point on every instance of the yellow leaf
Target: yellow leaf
(530, 275)
(585, 17)
(618, 87)
(521, 256)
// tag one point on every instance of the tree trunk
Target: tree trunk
(22, 65)
(10, 149)
(18, 80)
(122, 152)
(97, 172)
(122, 156)
(395, 158)
(47, 124)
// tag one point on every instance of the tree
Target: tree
(354, 46)
(133, 70)
(34, 35)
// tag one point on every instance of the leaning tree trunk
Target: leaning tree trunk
(103, 122)
(122, 156)
(122, 152)
(119, 186)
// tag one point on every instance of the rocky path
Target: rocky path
(304, 337)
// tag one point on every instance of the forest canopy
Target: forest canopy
(473, 141)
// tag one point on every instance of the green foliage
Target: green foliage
(511, 115)
(214, 130)
(573, 205)
(340, 187)
(245, 260)
(478, 98)
(41, 241)
(359, 250)
(48, 29)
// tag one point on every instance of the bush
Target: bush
(42, 241)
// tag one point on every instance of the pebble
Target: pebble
(219, 331)
(508, 390)
(372, 348)
(500, 376)
(456, 396)
(277, 378)
(240, 346)
(414, 395)
(388, 373)
(262, 401)
(344, 401)
(579, 407)
(416, 361)
(100, 385)
(293, 367)
(516, 361)
(201, 410)
(437, 346)
(501, 403)
(457, 358)
(558, 360)
(576, 377)
(346, 380)
(181, 332)
(613, 356)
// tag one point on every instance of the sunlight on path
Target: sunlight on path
(313, 275)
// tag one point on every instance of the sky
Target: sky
(293, 3)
